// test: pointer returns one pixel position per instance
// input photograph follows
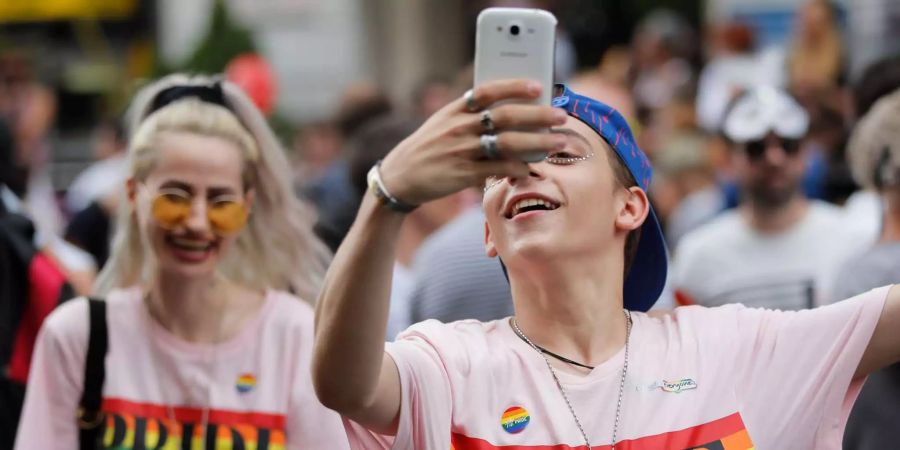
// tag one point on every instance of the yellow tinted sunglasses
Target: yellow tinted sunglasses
(226, 215)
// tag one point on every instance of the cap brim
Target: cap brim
(647, 278)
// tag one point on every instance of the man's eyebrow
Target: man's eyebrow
(572, 133)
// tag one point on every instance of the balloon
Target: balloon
(254, 75)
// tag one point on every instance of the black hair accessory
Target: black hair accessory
(210, 94)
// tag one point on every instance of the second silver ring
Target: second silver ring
(489, 146)
(487, 122)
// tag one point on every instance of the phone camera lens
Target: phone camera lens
(514, 30)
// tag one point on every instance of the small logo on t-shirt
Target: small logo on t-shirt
(245, 383)
(679, 386)
(515, 419)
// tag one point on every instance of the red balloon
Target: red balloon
(254, 75)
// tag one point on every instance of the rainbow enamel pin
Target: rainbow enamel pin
(515, 419)
(245, 383)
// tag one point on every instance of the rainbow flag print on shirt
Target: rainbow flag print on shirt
(727, 433)
(132, 426)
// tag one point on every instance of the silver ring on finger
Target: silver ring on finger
(487, 123)
(489, 146)
(471, 104)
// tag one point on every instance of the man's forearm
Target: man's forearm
(352, 311)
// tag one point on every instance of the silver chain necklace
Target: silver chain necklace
(562, 390)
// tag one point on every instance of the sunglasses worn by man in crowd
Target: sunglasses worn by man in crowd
(756, 149)
(227, 213)
(765, 113)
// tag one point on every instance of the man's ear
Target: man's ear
(489, 248)
(633, 211)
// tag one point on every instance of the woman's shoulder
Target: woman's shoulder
(71, 318)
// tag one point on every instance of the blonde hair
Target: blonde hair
(874, 148)
(277, 249)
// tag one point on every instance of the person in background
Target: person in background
(609, 80)
(333, 193)
(777, 249)
(864, 209)
(372, 144)
(688, 180)
(208, 339)
(874, 155)
(431, 95)
(31, 286)
(815, 58)
(29, 108)
(315, 146)
(661, 50)
(454, 280)
(91, 229)
(733, 65)
(107, 174)
(94, 195)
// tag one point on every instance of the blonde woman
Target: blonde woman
(208, 344)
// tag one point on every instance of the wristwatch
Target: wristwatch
(381, 193)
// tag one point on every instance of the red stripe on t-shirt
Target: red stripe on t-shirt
(674, 440)
(194, 415)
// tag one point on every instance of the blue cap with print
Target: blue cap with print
(645, 281)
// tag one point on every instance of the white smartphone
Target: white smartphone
(516, 43)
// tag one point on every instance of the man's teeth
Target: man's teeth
(522, 204)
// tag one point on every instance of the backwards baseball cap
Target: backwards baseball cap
(645, 281)
(765, 109)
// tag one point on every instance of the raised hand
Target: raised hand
(448, 152)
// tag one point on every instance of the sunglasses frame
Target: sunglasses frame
(755, 150)
(166, 194)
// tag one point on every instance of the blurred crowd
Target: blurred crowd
(776, 177)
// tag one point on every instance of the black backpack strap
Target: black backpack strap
(90, 417)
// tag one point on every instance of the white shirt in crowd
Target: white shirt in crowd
(727, 261)
(101, 178)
